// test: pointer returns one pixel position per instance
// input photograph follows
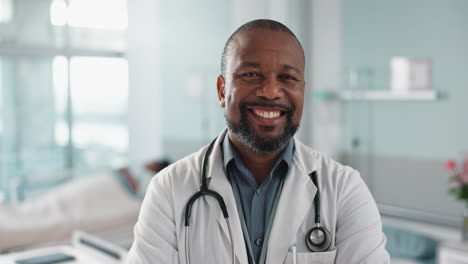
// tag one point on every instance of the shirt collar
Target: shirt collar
(230, 153)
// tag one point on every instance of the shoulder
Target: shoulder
(180, 171)
(181, 176)
(315, 160)
(332, 174)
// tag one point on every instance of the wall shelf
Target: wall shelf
(377, 95)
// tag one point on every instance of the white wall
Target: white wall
(325, 74)
(144, 100)
(270, 9)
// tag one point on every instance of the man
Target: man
(265, 176)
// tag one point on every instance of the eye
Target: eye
(287, 77)
(251, 74)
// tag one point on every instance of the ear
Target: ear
(220, 84)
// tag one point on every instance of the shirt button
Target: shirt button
(258, 241)
(258, 191)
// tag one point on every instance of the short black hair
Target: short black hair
(255, 24)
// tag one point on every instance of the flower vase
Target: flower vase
(465, 224)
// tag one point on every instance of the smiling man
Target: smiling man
(256, 194)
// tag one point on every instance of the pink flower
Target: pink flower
(465, 166)
(459, 178)
(463, 177)
(455, 185)
(450, 164)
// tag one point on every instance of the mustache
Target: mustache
(283, 107)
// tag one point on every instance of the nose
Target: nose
(270, 89)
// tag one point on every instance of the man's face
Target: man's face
(263, 89)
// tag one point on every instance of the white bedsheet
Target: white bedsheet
(94, 203)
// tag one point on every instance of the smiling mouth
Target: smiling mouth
(267, 114)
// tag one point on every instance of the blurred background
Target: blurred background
(93, 84)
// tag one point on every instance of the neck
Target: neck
(258, 164)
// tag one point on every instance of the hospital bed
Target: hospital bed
(96, 204)
(84, 248)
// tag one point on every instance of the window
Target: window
(99, 105)
(6, 12)
(63, 88)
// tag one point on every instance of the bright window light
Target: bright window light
(60, 80)
(99, 14)
(99, 85)
(61, 133)
(58, 13)
(6, 11)
(1, 96)
(99, 89)
(102, 14)
(86, 134)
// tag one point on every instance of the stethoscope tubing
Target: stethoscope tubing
(205, 191)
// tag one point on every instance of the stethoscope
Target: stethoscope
(318, 239)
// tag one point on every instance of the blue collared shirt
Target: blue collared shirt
(257, 200)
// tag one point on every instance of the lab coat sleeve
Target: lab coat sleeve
(359, 236)
(155, 232)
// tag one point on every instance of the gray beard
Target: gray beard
(257, 143)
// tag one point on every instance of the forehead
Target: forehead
(266, 46)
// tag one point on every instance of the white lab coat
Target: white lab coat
(347, 208)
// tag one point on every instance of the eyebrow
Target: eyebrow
(250, 64)
(257, 65)
(289, 67)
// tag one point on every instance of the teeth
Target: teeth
(268, 114)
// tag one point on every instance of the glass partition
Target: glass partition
(28, 117)
(400, 143)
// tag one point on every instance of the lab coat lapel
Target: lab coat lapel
(295, 202)
(218, 182)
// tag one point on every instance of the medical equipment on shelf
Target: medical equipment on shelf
(85, 248)
(318, 239)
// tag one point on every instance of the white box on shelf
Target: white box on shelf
(409, 74)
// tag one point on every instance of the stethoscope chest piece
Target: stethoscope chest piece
(318, 239)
